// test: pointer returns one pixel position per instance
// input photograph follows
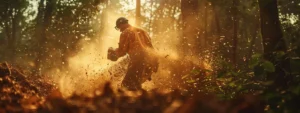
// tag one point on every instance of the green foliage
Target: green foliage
(261, 67)
(295, 64)
(255, 60)
(268, 66)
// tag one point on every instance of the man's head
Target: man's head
(121, 24)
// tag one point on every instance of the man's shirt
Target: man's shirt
(135, 42)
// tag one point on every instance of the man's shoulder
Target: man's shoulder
(133, 30)
(128, 30)
(140, 29)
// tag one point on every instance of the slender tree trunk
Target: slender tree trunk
(205, 24)
(38, 35)
(235, 31)
(104, 17)
(174, 26)
(254, 35)
(7, 17)
(252, 42)
(273, 41)
(217, 21)
(151, 17)
(44, 21)
(138, 13)
(157, 15)
(12, 30)
(7, 33)
(189, 10)
(15, 32)
(12, 45)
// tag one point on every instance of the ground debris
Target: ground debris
(18, 94)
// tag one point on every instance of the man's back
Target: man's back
(135, 41)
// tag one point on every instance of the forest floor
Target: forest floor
(22, 94)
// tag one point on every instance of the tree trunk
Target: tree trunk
(44, 21)
(273, 41)
(15, 31)
(151, 17)
(138, 13)
(252, 42)
(11, 21)
(254, 35)
(235, 31)
(38, 35)
(205, 24)
(7, 33)
(12, 43)
(189, 10)
(217, 21)
(104, 17)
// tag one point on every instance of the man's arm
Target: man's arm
(123, 44)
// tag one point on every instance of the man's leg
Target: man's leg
(147, 72)
(132, 79)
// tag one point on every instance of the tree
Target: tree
(217, 21)
(235, 31)
(189, 12)
(43, 23)
(138, 13)
(205, 23)
(12, 18)
(273, 41)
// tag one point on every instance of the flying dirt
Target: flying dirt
(89, 68)
(21, 94)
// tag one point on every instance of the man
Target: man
(137, 44)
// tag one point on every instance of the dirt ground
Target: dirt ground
(22, 94)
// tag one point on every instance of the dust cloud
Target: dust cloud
(90, 68)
